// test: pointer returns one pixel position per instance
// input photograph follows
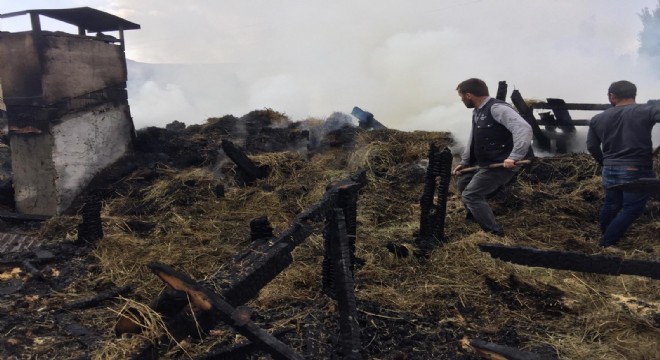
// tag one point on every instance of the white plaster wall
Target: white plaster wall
(84, 144)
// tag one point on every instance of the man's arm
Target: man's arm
(519, 128)
(466, 155)
(593, 145)
(656, 114)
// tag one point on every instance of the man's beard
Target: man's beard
(468, 103)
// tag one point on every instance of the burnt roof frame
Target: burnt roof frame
(85, 18)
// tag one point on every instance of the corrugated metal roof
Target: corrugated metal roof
(87, 18)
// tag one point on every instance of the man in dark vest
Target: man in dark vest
(499, 136)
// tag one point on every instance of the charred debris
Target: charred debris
(257, 237)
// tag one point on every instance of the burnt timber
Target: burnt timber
(238, 318)
(432, 218)
(649, 185)
(573, 260)
(248, 170)
(490, 350)
(250, 271)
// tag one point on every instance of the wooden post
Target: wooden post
(501, 91)
(527, 114)
(36, 24)
(432, 218)
(344, 285)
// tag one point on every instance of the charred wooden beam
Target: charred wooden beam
(649, 185)
(253, 269)
(249, 171)
(501, 90)
(575, 122)
(490, 350)
(257, 269)
(237, 318)
(432, 218)
(99, 298)
(260, 228)
(572, 106)
(573, 260)
(91, 228)
(247, 275)
(528, 114)
(426, 200)
(550, 122)
(317, 211)
(366, 119)
(7, 215)
(558, 107)
(346, 199)
(344, 285)
(444, 158)
(328, 271)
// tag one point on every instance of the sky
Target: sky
(398, 59)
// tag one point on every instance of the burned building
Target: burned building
(66, 105)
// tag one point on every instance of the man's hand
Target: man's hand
(509, 163)
(457, 170)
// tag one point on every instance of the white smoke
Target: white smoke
(400, 60)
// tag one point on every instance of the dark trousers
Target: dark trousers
(621, 208)
(474, 189)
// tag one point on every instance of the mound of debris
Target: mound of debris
(259, 237)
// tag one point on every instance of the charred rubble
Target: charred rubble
(306, 273)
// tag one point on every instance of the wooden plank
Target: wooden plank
(572, 106)
(6, 215)
(574, 122)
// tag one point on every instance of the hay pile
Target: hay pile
(407, 307)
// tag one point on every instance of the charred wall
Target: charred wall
(20, 69)
(76, 65)
(68, 114)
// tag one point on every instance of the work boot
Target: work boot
(601, 243)
(499, 233)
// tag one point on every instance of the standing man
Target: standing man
(619, 138)
(499, 136)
